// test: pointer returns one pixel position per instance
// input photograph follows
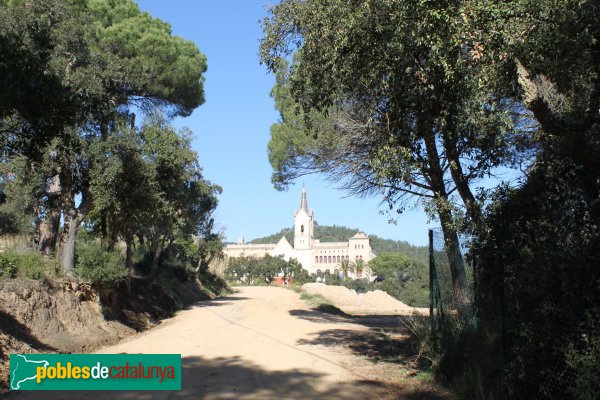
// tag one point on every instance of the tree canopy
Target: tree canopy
(76, 74)
(74, 63)
(386, 98)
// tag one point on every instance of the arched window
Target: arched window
(319, 273)
(338, 258)
(329, 259)
(348, 258)
(316, 259)
(327, 272)
(336, 272)
(301, 228)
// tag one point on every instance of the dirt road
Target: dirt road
(265, 343)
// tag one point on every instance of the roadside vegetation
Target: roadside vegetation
(264, 271)
(97, 188)
(402, 278)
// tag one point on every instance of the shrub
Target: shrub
(8, 265)
(213, 283)
(537, 280)
(584, 355)
(261, 271)
(98, 266)
(359, 285)
(33, 265)
(30, 265)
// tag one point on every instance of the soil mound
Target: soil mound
(71, 316)
(52, 317)
(375, 302)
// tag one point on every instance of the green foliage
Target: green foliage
(92, 63)
(403, 279)
(39, 94)
(67, 63)
(8, 265)
(377, 94)
(20, 188)
(359, 285)
(149, 184)
(586, 361)
(417, 253)
(344, 266)
(257, 271)
(389, 264)
(215, 284)
(537, 278)
(98, 266)
(521, 38)
(158, 65)
(357, 267)
(29, 265)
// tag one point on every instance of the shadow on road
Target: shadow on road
(329, 314)
(387, 339)
(237, 378)
(375, 344)
(219, 301)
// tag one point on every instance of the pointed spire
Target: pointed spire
(303, 202)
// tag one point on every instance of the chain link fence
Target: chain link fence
(451, 285)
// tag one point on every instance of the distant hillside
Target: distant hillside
(336, 233)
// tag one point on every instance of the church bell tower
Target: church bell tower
(303, 225)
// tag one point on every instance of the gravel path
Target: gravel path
(261, 343)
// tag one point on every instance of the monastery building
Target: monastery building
(315, 257)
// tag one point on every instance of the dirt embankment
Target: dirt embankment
(68, 316)
(374, 302)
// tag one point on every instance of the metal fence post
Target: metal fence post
(431, 289)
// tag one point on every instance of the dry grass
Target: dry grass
(14, 242)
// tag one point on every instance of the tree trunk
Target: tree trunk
(129, 252)
(69, 237)
(115, 231)
(581, 136)
(73, 218)
(51, 223)
(452, 244)
(49, 232)
(460, 285)
(461, 181)
(103, 228)
(158, 245)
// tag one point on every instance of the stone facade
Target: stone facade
(315, 257)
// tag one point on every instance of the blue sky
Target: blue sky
(232, 130)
